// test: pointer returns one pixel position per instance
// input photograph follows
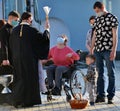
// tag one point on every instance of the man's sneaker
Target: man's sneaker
(56, 91)
(100, 99)
(92, 103)
(110, 101)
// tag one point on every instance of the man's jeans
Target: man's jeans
(100, 57)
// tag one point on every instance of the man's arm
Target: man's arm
(115, 43)
(4, 47)
(41, 42)
(93, 43)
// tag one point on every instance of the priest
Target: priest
(27, 46)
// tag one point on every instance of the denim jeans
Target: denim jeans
(55, 73)
(100, 57)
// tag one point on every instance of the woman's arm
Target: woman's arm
(72, 54)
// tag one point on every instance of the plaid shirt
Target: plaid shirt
(91, 73)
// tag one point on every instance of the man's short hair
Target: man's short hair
(91, 57)
(92, 17)
(14, 13)
(26, 15)
(98, 5)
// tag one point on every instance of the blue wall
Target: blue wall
(75, 14)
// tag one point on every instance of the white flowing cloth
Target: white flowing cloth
(42, 76)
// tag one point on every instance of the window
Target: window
(110, 6)
(17, 5)
(36, 12)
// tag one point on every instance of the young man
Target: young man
(5, 32)
(5, 56)
(27, 46)
(90, 33)
(105, 42)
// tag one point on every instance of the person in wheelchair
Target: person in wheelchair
(62, 57)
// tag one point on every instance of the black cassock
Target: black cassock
(27, 45)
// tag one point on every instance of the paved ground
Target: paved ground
(60, 103)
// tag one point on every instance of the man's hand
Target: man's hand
(5, 62)
(47, 25)
(113, 55)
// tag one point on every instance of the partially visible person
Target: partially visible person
(104, 43)
(90, 33)
(5, 32)
(42, 76)
(62, 56)
(5, 55)
(27, 46)
(91, 78)
(2, 23)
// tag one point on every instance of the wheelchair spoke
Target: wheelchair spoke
(77, 83)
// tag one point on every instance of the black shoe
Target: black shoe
(100, 99)
(16, 105)
(45, 93)
(56, 91)
(23, 105)
(92, 103)
(110, 101)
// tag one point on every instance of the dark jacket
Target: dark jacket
(5, 33)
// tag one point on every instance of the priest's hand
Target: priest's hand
(47, 25)
(5, 62)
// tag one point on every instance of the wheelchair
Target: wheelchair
(73, 81)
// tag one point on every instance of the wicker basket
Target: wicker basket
(78, 104)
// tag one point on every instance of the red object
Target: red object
(59, 56)
(78, 104)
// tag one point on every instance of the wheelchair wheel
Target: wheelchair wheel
(77, 83)
(68, 98)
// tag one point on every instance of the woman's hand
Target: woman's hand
(44, 61)
(69, 55)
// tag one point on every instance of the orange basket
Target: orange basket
(78, 104)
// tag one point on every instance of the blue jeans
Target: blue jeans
(55, 73)
(100, 57)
